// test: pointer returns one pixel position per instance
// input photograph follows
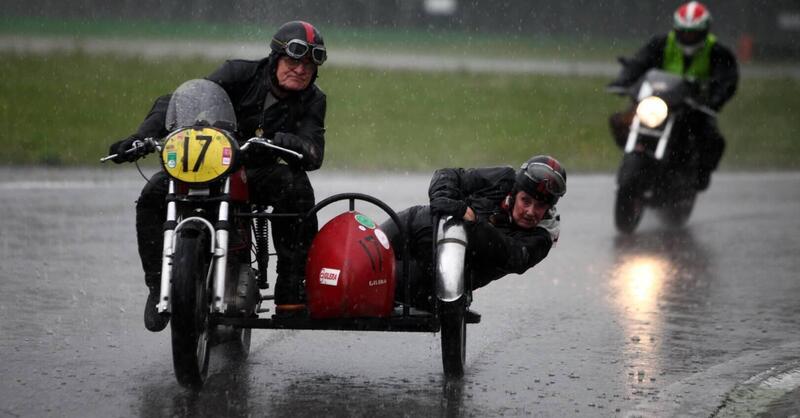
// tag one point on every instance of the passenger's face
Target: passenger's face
(295, 75)
(527, 211)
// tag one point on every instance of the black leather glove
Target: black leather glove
(257, 156)
(443, 206)
(122, 147)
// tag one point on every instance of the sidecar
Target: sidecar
(351, 278)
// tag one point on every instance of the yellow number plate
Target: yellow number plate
(198, 155)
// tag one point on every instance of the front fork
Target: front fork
(165, 298)
(220, 251)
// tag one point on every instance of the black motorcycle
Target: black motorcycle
(660, 163)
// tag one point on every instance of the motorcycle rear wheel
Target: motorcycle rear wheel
(191, 330)
(628, 210)
(454, 337)
(677, 214)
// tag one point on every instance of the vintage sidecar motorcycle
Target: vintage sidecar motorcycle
(216, 251)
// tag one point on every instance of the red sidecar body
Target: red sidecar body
(351, 270)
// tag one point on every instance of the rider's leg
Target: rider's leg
(417, 221)
(711, 147)
(287, 190)
(150, 217)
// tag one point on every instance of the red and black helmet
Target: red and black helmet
(691, 22)
(297, 39)
(542, 177)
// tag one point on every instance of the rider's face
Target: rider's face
(527, 211)
(295, 75)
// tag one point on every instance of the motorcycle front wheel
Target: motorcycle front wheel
(190, 308)
(454, 336)
(628, 209)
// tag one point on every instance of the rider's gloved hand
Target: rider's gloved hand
(122, 147)
(551, 223)
(444, 206)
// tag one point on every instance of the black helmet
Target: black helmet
(542, 177)
(296, 39)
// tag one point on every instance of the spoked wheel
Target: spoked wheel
(454, 337)
(190, 309)
(678, 213)
(628, 209)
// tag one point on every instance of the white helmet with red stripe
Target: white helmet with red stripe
(692, 16)
(692, 22)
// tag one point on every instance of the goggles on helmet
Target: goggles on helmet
(297, 49)
(542, 182)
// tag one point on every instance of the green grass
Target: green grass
(67, 109)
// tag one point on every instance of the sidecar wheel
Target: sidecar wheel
(454, 337)
(190, 309)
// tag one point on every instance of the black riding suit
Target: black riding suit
(716, 91)
(296, 122)
(496, 246)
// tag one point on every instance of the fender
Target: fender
(633, 172)
(451, 250)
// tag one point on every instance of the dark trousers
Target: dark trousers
(285, 188)
(419, 224)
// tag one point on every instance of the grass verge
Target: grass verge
(67, 109)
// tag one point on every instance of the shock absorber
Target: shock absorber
(261, 233)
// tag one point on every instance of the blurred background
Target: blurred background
(411, 84)
(757, 28)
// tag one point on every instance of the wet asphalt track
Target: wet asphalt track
(699, 321)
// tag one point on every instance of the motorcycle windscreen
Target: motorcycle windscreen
(200, 102)
(350, 271)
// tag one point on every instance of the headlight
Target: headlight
(652, 111)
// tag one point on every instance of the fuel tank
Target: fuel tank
(350, 271)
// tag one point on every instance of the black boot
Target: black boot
(154, 321)
(290, 297)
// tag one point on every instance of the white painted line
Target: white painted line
(158, 49)
(706, 392)
(754, 396)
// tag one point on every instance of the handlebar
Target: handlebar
(144, 146)
(148, 145)
(700, 107)
(618, 90)
(268, 143)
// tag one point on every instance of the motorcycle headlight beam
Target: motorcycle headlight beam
(652, 111)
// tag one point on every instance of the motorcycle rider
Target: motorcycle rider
(510, 218)
(690, 50)
(275, 98)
